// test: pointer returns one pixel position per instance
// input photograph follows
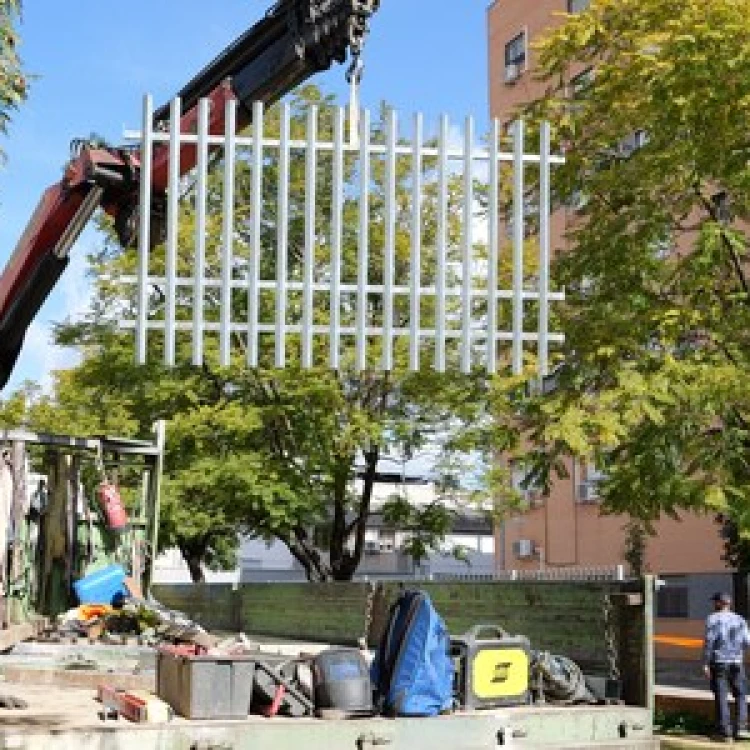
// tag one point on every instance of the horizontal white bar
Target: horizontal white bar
(318, 330)
(297, 286)
(480, 154)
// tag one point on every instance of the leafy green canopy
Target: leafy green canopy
(265, 452)
(13, 83)
(654, 381)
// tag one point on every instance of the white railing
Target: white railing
(580, 573)
(341, 248)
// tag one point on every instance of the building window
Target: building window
(580, 84)
(588, 487)
(578, 200)
(632, 143)
(525, 486)
(515, 57)
(576, 6)
(672, 601)
(720, 202)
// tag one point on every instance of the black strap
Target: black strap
(384, 649)
(392, 656)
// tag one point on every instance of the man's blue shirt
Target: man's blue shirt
(727, 637)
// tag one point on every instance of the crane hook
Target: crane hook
(356, 69)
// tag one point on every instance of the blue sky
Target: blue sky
(94, 64)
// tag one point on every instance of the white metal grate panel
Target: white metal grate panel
(373, 251)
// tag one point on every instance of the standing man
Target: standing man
(727, 637)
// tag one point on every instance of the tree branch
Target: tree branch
(713, 213)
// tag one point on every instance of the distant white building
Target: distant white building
(383, 558)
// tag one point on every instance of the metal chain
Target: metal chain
(610, 637)
(99, 462)
(359, 18)
(369, 603)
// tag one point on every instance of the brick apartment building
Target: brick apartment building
(566, 529)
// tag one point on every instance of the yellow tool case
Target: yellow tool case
(491, 668)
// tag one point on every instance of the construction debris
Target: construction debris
(137, 706)
(10, 701)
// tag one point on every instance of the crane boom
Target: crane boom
(293, 41)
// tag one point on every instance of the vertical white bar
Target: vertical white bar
(255, 237)
(308, 278)
(493, 238)
(363, 251)
(337, 221)
(518, 237)
(466, 260)
(544, 248)
(416, 244)
(144, 230)
(282, 237)
(389, 264)
(441, 245)
(173, 209)
(227, 245)
(199, 270)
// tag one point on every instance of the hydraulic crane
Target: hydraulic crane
(294, 40)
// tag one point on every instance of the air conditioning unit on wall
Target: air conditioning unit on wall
(512, 72)
(535, 498)
(524, 549)
(588, 493)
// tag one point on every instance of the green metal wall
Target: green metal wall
(561, 617)
(214, 606)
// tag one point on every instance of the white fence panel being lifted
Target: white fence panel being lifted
(359, 250)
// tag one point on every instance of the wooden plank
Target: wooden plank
(90, 679)
(25, 631)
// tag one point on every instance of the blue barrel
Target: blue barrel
(101, 587)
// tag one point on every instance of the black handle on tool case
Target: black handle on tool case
(473, 633)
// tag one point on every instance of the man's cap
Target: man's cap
(722, 597)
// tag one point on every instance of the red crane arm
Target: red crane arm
(294, 40)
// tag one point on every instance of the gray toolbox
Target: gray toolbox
(206, 687)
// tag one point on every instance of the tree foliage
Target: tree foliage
(272, 453)
(13, 82)
(653, 382)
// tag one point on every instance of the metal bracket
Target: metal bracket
(372, 739)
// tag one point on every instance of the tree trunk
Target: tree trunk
(196, 570)
(193, 559)
(308, 556)
(344, 568)
(337, 547)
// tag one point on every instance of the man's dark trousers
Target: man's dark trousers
(726, 678)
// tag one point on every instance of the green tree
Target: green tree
(737, 556)
(265, 452)
(653, 382)
(634, 552)
(13, 82)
